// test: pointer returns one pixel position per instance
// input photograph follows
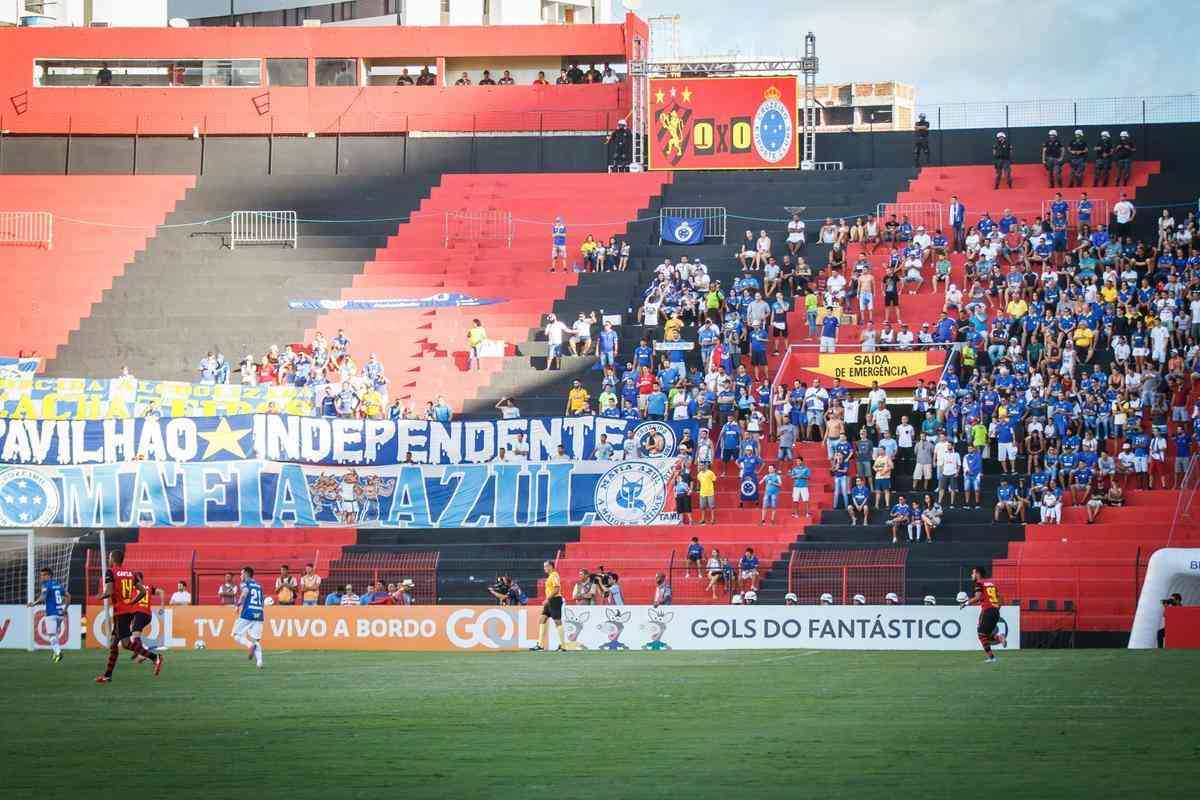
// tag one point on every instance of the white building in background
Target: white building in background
(83, 13)
(390, 12)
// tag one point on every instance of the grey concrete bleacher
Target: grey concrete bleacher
(188, 292)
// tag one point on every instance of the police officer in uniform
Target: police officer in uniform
(620, 148)
(1002, 158)
(1052, 157)
(1077, 153)
(1104, 155)
(1123, 155)
(920, 141)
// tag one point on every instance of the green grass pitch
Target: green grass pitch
(746, 725)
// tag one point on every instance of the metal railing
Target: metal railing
(872, 573)
(27, 229)
(1075, 112)
(478, 226)
(1099, 213)
(263, 227)
(714, 219)
(821, 166)
(930, 216)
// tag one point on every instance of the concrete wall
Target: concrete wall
(388, 154)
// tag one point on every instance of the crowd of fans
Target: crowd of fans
(573, 74)
(305, 590)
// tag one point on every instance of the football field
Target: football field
(1090, 723)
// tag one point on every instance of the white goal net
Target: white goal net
(22, 555)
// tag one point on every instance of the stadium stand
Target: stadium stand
(102, 221)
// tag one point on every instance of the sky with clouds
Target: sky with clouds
(969, 50)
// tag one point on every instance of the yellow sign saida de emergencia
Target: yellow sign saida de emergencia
(901, 369)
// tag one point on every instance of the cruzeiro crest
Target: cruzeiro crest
(631, 493)
(773, 128)
(27, 498)
(652, 439)
(684, 231)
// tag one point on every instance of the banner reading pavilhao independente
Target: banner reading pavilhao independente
(325, 440)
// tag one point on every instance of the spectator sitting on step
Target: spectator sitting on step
(208, 369)
(762, 249)
(916, 521)
(581, 338)
(931, 517)
(748, 570)
(900, 517)
(578, 399)
(1009, 501)
(1051, 507)
(860, 502)
(747, 251)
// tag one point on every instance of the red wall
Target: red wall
(371, 109)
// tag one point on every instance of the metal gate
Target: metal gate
(262, 227)
(714, 218)
(27, 228)
(478, 226)
(929, 216)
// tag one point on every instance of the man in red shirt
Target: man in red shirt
(987, 597)
(130, 615)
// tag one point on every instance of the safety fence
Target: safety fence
(930, 216)
(27, 229)
(478, 226)
(872, 573)
(263, 227)
(1074, 112)
(359, 569)
(714, 219)
(1098, 216)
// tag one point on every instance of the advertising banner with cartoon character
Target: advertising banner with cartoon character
(334, 441)
(729, 627)
(723, 123)
(271, 494)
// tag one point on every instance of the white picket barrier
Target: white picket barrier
(263, 227)
(27, 229)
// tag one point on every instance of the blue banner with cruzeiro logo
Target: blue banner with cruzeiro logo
(335, 441)
(682, 230)
(257, 494)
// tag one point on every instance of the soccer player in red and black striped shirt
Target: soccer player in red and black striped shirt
(129, 615)
(988, 598)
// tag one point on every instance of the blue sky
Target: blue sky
(970, 50)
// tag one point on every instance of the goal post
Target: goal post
(1170, 570)
(22, 555)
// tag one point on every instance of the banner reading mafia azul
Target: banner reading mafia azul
(264, 494)
(723, 123)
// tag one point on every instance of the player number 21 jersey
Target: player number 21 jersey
(252, 601)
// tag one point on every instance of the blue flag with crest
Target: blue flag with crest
(682, 230)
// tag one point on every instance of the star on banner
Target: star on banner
(672, 91)
(224, 438)
(687, 95)
(659, 96)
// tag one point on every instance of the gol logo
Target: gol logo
(493, 628)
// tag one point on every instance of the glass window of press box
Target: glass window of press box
(337, 72)
(287, 71)
(234, 72)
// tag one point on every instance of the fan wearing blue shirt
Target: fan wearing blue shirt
(56, 600)
(972, 474)
(772, 483)
(829, 331)
(902, 514)
(801, 473)
(731, 441)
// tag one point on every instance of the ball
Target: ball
(199, 645)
